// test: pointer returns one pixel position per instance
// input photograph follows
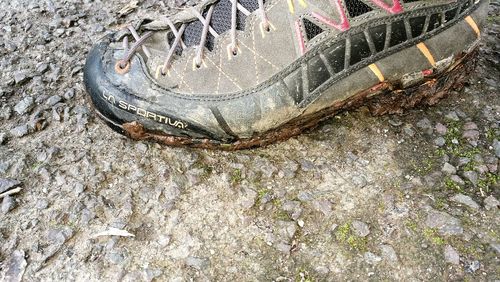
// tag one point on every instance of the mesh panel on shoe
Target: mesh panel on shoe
(357, 8)
(312, 30)
(220, 22)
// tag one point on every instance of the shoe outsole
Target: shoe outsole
(384, 98)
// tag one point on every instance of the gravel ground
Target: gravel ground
(410, 197)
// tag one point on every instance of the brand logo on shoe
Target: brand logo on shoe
(143, 112)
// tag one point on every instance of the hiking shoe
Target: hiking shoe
(236, 74)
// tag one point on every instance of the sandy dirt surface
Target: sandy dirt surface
(407, 197)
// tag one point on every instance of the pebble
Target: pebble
(59, 235)
(472, 266)
(360, 228)
(471, 134)
(69, 94)
(452, 116)
(7, 184)
(41, 204)
(495, 247)
(465, 200)
(24, 106)
(455, 178)
(444, 223)
(426, 125)
(53, 100)
(19, 131)
(359, 181)
(323, 206)
(198, 263)
(496, 148)
(15, 266)
(8, 204)
(441, 129)
(371, 258)
(389, 253)
(449, 169)
(440, 142)
(491, 203)
(451, 255)
(3, 137)
(471, 176)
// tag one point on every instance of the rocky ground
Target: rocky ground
(410, 197)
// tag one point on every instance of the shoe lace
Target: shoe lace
(177, 33)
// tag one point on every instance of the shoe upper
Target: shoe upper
(294, 27)
(224, 72)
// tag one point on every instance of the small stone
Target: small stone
(440, 142)
(470, 126)
(3, 137)
(69, 94)
(496, 147)
(471, 135)
(359, 181)
(496, 247)
(41, 204)
(426, 125)
(491, 203)
(306, 165)
(441, 129)
(360, 228)
(471, 176)
(323, 206)
(451, 255)
(371, 258)
(465, 200)
(15, 266)
(8, 204)
(444, 223)
(7, 184)
(408, 131)
(115, 257)
(449, 169)
(59, 235)
(53, 100)
(452, 116)
(463, 161)
(24, 106)
(304, 196)
(19, 131)
(20, 77)
(164, 240)
(472, 266)
(389, 253)
(284, 248)
(198, 263)
(455, 178)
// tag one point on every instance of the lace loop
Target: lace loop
(124, 63)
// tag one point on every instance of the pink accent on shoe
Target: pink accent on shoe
(300, 38)
(395, 9)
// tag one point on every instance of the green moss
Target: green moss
(303, 275)
(431, 235)
(236, 176)
(261, 193)
(452, 185)
(489, 180)
(412, 225)
(345, 235)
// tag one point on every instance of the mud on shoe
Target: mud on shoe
(236, 74)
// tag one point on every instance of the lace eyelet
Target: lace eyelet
(120, 69)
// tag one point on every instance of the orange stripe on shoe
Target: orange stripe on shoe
(377, 72)
(473, 24)
(425, 51)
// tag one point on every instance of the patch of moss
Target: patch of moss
(486, 182)
(345, 235)
(303, 275)
(412, 225)
(431, 235)
(452, 185)
(236, 176)
(261, 193)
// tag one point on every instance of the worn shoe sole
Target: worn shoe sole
(395, 92)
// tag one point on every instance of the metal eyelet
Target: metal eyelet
(120, 69)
